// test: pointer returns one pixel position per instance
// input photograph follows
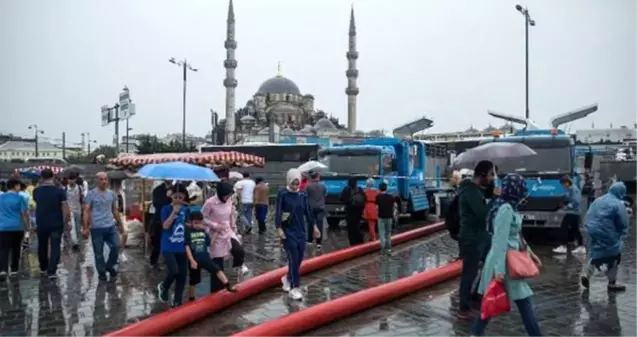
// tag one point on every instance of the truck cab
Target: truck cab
(399, 163)
(555, 158)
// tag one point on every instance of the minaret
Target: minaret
(230, 82)
(352, 75)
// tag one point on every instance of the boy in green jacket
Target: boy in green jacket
(474, 237)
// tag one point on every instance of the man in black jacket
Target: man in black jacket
(160, 199)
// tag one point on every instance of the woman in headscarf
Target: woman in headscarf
(607, 224)
(370, 213)
(220, 219)
(292, 212)
(506, 222)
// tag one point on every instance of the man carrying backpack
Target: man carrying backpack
(353, 197)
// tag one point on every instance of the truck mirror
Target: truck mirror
(588, 161)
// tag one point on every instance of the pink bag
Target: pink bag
(519, 263)
(495, 301)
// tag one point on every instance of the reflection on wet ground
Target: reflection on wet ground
(353, 276)
(78, 304)
(563, 307)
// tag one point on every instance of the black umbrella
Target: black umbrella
(119, 175)
(72, 171)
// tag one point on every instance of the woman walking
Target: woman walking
(370, 213)
(220, 218)
(506, 221)
(353, 197)
(292, 212)
(14, 223)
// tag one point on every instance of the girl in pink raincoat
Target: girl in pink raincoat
(219, 217)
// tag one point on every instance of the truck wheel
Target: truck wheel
(333, 222)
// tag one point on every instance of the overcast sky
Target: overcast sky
(449, 60)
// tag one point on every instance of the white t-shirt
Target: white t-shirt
(246, 188)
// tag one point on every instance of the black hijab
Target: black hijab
(224, 191)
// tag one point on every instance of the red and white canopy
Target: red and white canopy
(55, 169)
(212, 159)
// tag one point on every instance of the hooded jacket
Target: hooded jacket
(473, 210)
(607, 223)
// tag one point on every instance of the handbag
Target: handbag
(519, 263)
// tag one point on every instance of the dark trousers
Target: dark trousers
(10, 245)
(472, 253)
(54, 236)
(353, 220)
(155, 242)
(295, 250)
(527, 313)
(176, 271)
(570, 228)
(261, 212)
(109, 237)
(238, 257)
(319, 217)
(204, 262)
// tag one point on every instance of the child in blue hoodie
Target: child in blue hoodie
(292, 212)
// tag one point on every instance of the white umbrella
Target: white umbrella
(235, 175)
(496, 152)
(312, 165)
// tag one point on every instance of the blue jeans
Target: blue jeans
(472, 254)
(384, 232)
(246, 213)
(527, 313)
(110, 237)
(261, 212)
(49, 263)
(319, 217)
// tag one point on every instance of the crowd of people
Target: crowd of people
(489, 224)
(192, 233)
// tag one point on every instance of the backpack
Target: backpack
(358, 198)
(452, 220)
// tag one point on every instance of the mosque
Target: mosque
(279, 104)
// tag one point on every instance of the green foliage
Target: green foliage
(151, 144)
(107, 150)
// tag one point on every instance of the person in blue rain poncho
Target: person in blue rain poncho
(607, 229)
(292, 212)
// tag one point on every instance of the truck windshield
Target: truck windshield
(363, 164)
(547, 161)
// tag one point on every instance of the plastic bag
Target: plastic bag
(495, 301)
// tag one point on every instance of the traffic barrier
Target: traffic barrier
(321, 314)
(172, 320)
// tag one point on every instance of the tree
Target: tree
(151, 144)
(106, 150)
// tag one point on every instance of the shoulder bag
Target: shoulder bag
(519, 262)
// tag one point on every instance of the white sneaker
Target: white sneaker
(296, 294)
(560, 250)
(286, 284)
(244, 270)
(579, 250)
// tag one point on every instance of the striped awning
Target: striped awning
(55, 169)
(212, 159)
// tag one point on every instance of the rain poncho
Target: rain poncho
(607, 223)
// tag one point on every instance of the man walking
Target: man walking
(473, 236)
(52, 216)
(316, 193)
(245, 188)
(101, 215)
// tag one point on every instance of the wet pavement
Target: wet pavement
(78, 304)
(563, 307)
(353, 276)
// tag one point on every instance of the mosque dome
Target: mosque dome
(279, 85)
(324, 124)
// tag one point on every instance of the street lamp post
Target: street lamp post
(527, 22)
(127, 136)
(88, 141)
(185, 66)
(37, 132)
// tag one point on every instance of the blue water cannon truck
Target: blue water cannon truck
(404, 165)
(556, 157)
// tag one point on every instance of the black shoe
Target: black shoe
(52, 276)
(76, 247)
(162, 293)
(614, 287)
(112, 272)
(248, 230)
(585, 282)
(262, 231)
(175, 304)
(191, 299)
(102, 277)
